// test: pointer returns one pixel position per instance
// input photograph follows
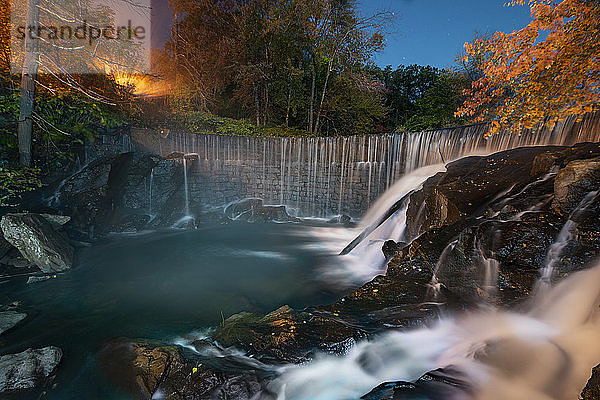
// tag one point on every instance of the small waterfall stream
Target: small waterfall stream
(186, 188)
(565, 236)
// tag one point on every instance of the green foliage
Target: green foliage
(206, 123)
(421, 97)
(15, 182)
(356, 107)
(269, 62)
(62, 121)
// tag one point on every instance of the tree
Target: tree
(269, 61)
(28, 78)
(57, 60)
(541, 73)
(420, 97)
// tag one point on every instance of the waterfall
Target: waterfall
(150, 187)
(186, 188)
(543, 353)
(385, 220)
(564, 237)
(327, 176)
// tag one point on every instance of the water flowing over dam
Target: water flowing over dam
(326, 176)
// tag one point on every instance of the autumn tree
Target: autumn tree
(4, 40)
(543, 72)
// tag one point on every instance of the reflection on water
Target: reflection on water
(159, 286)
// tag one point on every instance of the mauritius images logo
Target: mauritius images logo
(80, 36)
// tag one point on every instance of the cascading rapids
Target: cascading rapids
(546, 352)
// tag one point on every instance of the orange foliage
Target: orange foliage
(543, 72)
(4, 38)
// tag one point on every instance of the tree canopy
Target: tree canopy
(543, 72)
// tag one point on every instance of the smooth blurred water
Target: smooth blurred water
(159, 286)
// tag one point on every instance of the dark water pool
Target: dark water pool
(159, 286)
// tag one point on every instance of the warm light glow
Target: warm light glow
(143, 85)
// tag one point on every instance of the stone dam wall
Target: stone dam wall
(327, 176)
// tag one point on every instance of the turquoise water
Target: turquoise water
(159, 286)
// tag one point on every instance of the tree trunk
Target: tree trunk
(256, 102)
(312, 97)
(289, 101)
(28, 77)
(329, 67)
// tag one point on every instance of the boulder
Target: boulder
(38, 241)
(9, 319)
(56, 220)
(241, 208)
(286, 334)
(466, 188)
(573, 182)
(5, 246)
(440, 384)
(147, 371)
(253, 210)
(28, 369)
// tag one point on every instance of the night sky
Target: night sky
(432, 32)
(426, 32)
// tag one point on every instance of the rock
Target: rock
(35, 279)
(440, 384)
(148, 371)
(28, 369)
(15, 260)
(56, 220)
(93, 195)
(573, 182)
(467, 187)
(592, 388)
(286, 334)
(8, 319)
(253, 210)
(342, 220)
(243, 207)
(5, 246)
(38, 241)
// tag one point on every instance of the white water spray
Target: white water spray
(546, 353)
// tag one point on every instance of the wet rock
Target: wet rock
(9, 319)
(253, 210)
(56, 220)
(592, 388)
(5, 246)
(585, 243)
(286, 334)
(573, 182)
(132, 223)
(243, 208)
(147, 371)
(468, 186)
(440, 384)
(35, 279)
(342, 220)
(28, 369)
(38, 241)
